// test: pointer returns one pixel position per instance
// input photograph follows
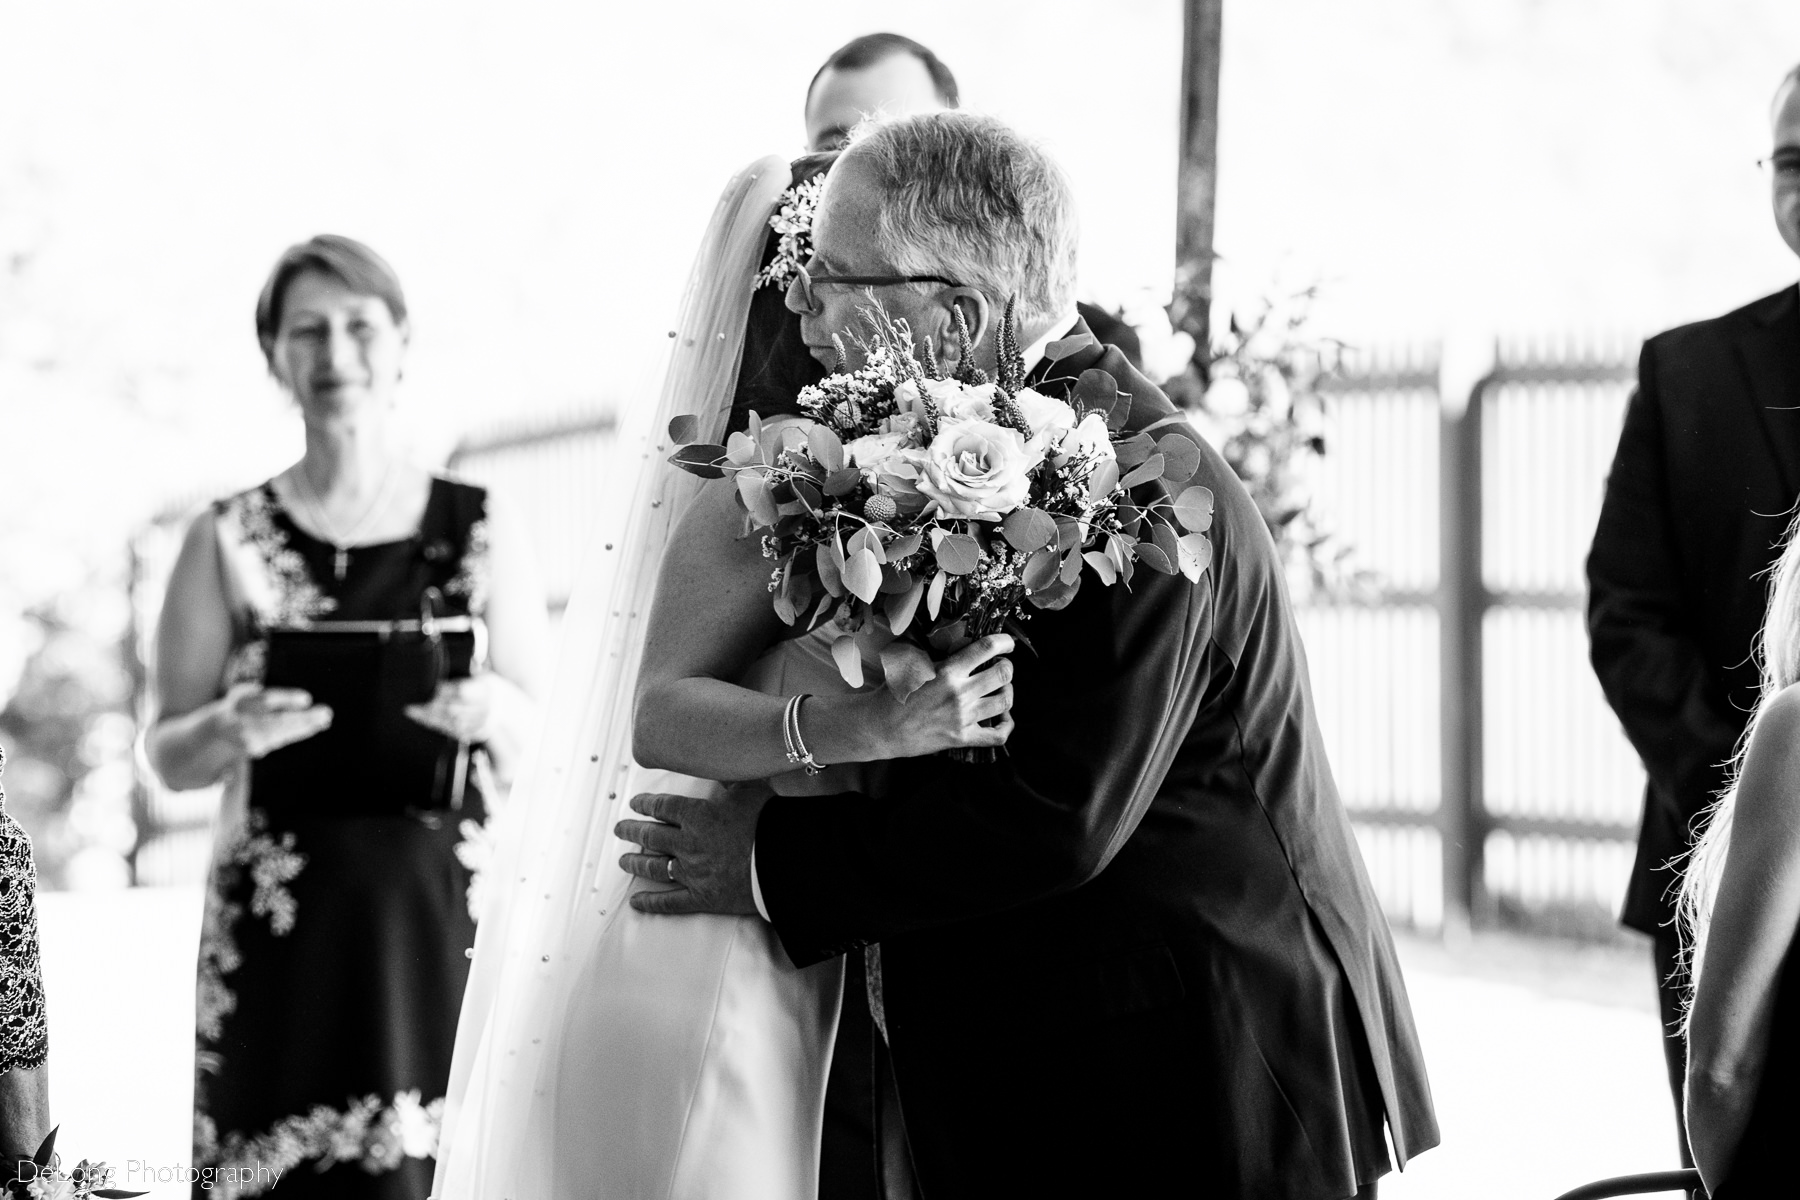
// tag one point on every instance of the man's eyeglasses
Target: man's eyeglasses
(808, 281)
(1783, 167)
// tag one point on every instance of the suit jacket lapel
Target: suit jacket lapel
(1771, 352)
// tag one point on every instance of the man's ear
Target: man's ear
(975, 310)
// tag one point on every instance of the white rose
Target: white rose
(1091, 439)
(1050, 419)
(907, 399)
(901, 422)
(960, 402)
(976, 469)
(872, 450)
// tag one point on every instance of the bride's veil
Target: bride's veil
(555, 876)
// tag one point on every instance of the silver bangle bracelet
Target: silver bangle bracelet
(797, 753)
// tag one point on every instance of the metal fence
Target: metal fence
(1486, 777)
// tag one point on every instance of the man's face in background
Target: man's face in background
(896, 86)
(1785, 165)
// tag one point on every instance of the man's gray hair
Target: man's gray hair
(965, 196)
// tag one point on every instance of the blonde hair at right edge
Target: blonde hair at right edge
(1778, 653)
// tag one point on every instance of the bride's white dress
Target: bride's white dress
(695, 1054)
(603, 1053)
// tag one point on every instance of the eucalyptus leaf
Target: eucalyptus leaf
(808, 494)
(1103, 565)
(1028, 529)
(959, 554)
(904, 547)
(1062, 348)
(1096, 390)
(1144, 472)
(700, 460)
(862, 576)
(1133, 450)
(1057, 595)
(1069, 533)
(1164, 536)
(848, 657)
(1181, 457)
(867, 539)
(756, 498)
(901, 607)
(1152, 556)
(1104, 479)
(1196, 555)
(1042, 569)
(894, 581)
(842, 482)
(1194, 509)
(1071, 566)
(1121, 551)
(934, 596)
(684, 428)
(825, 447)
(784, 601)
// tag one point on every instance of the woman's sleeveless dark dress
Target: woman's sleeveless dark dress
(334, 949)
(1766, 1165)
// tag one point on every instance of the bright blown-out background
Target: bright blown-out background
(1447, 171)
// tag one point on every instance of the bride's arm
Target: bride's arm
(712, 618)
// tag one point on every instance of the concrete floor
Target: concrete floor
(1543, 1055)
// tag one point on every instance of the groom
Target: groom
(1139, 954)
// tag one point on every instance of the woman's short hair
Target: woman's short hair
(966, 196)
(345, 259)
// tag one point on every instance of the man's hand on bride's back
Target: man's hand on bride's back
(967, 703)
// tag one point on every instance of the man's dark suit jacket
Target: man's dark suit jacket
(1701, 488)
(1144, 941)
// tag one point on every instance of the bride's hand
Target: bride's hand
(949, 711)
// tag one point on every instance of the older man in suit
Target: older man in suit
(1702, 486)
(1138, 955)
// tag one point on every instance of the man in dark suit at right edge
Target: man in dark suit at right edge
(1701, 489)
(892, 75)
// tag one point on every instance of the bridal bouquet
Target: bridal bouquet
(915, 509)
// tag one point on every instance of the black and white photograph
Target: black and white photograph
(933, 601)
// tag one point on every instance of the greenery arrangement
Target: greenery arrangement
(1255, 394)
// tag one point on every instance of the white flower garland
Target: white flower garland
(793, 220)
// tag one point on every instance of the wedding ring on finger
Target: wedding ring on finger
(671, 869)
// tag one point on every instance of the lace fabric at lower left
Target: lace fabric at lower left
(24, 1033)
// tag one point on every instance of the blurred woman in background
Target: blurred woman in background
(24, 1033)
(339, 913)
(1741, 910)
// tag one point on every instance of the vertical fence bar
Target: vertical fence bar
(1462, 601)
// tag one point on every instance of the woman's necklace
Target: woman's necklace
(340, 545)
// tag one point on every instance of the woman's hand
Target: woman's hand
(256, 720)
(951, 710)
(461, 709)
(486, 708)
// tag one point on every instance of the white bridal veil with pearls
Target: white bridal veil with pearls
(557, 886)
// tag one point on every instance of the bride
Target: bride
(609, 1053)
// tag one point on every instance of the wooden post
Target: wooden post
(1198, 178)
(1464, 375)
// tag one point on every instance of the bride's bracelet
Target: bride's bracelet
(797, 752)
